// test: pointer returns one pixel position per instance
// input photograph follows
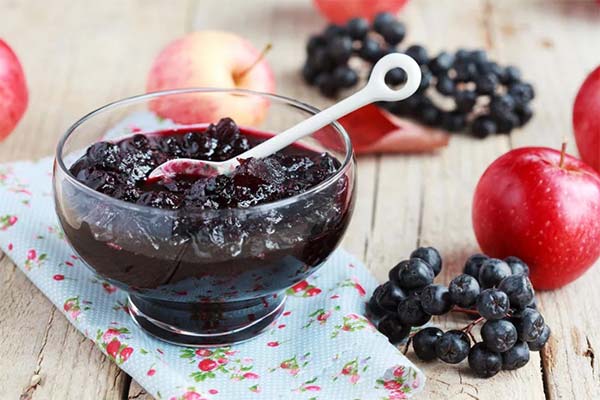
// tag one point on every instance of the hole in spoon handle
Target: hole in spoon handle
(380, 91)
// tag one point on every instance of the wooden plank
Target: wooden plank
(77, 56)
(428, 201)
(556, 43)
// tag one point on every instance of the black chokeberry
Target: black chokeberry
(410, 312)
(326, 85)
(395, 77)
(484, 362)
(418, 53)
(464, 290)
(483, 126)
(517, 266)
(426, 78)
(493, 304)
(492, 271)
(515, 357)
(435, 299)
(415, 273)
(541, 340)
(393, 329)
(501, 105)
(519, 290)
(393, 32)
(389, 296)
(486, 84)
(453, 346)
(473, 264)
(507, 122)
(499, 335)
(454, 121)
(375, 311)
(340, 49)
(465, 71)
(429, 255)
(445, 86)
(382, 20)
(522, 93)
(524, 113)
(315, 42)
(429, 114)
(424, 342)
(333, 31)
(465, 100)
(370, 50)
(345, 77)
(357, 28)
(511, 74)
(530, 324)
(320, 60)
(309, 73)
(478, 56)
(442, 63)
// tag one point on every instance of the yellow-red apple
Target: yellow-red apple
(211, 59)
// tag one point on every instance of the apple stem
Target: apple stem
(262, 55)
(563, 151)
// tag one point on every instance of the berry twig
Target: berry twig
(464, 310)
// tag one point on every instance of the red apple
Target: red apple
(340, 11)
(211, 59)
(13, 90)
(532, 205)
(586, 120)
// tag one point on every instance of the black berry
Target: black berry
(499, 335)
(516, 357)
(424, 343)
(484, 362)
(492, 271)
(453, 347)
(431, 256)
(464, 290)
(435, 300)
(493, 304)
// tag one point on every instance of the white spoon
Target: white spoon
(375, 90)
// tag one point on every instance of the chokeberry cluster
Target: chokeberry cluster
(459, 92)
(497, 292)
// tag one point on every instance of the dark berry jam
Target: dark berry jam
(120, 169)
(212, 248)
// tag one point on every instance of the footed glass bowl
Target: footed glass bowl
(206, 277)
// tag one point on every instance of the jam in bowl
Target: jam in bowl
(205, 260)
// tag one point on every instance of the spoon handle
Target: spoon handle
(375, 90)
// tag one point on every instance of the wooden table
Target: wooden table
(79, 55)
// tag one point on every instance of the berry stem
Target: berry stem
(563, 151)
(464, 310)
(467, 329)
(262, 55)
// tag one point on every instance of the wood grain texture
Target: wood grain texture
(74, 55)
(93, 52)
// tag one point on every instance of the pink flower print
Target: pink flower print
(7, 221)
(207, 365)
(68, 263)
(213, 391)
(192, 396)
(299, 287)
(58, 277)
(391, 385)
(303, 289)
(250, 375)
(322, 318)
(10, 247)
(354, 379)
(112, 348)
(312, 388)
(110, 334)
(72, 307)
(151, 372)
(108, 288)
(398, 372)
(203, 352)
(361, 290)
(222, 361)
(273, 344)
(125, 354)
(33, 259)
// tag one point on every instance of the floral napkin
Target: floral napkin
(322, 347)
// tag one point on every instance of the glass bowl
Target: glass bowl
(209, 277)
